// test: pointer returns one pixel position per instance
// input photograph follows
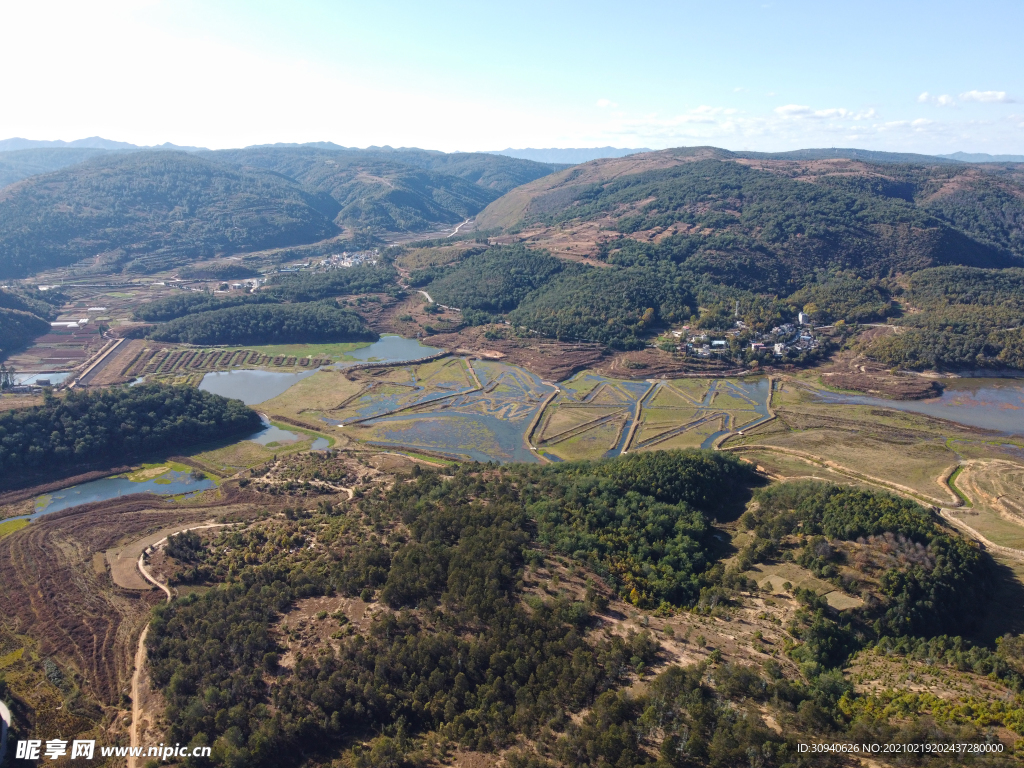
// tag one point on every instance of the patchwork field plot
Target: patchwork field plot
(188, 365)
(996, 491)
(592, 411)
(492, 411)
(458, 407)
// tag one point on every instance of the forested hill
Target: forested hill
(22, 163)
(146, 209)
(118, 425)
(394, 190)
(740, 216)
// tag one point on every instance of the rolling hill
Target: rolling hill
(142, 210)
(20, 164)
(394, 190)
(764, 235)
(791, 217)
(151, 208)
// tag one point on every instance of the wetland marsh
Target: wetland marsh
(992, 404)
(163, 481)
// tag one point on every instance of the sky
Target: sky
(931, 77)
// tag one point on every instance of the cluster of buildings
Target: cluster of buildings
(782, 339)
(353, 259)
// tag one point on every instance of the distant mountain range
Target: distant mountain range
(568, 156)
(561, 156)
(93, 142)
(981, 157)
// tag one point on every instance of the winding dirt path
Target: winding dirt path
(140, 660)
(140, 651)
(838, 468)
(956, 522)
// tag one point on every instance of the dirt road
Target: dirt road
(140, 652)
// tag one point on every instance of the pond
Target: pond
(390, 349)
(993, 404)
(757, 392)
(54, 377)
(170, 483)
(255, 386)
(251, 386)
(271, 434)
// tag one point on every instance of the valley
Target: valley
(682, 440)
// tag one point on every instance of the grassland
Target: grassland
(901, 450)
(10, 526)
(311, 397)
(421, 258)
(337, 351)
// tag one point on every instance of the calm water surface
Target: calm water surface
(170, 483)
(251, 386)
(271, 434)
(256, 386)
(995, 404)
(391, 349)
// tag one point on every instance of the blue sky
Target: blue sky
(929, 77)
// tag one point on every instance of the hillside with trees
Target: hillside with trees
(24, 314)
(964, 318)
(369, 191)
(149, 210)
(251, 323)
(348, 281)
(20, 164)
(492, 172)
(85, 428)
(474, 643)
(495, 280)
(762, 236)
(193, 302)
(18, 328)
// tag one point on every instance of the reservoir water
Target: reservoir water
(390, 349)
(255, 386)
(170, 483)
(271, 434)
(251, 386)
(993, 404)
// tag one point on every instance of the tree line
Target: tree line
(248, 323)
(119, 424)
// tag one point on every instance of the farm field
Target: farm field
(621, 416)
(900, 449)
(487, 410)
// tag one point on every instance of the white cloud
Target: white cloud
(793, 110)
(603, 103)
(800, 111)
(988, 97)
(945, 100)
